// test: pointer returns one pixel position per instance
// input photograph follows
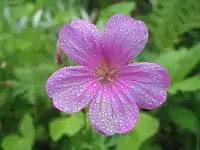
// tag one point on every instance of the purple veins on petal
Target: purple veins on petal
(112, 113)
(71, 88)
(128, 108)
(101, 113)
(124, 38)
(80, 40)
(148, 73)
(146, 83)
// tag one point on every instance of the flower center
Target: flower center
(106, 74)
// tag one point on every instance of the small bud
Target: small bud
(83, 110)
(59, 59)
(58, 54)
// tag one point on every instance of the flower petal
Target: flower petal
(71, 88)
(80, 41)
(124, 38)
(146, 83)
(112, 112)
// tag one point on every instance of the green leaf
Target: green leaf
(27, 128)
(154, 3)
(64, 126)
(186, 118)
(30, 81)
(8, 142)
(26, 10)
(171, 60)
(168, 24)
(120, 7)
(24, 142)
(114, 140)
(148, 146)
(146, 127)
(15, 142)
(98, 141)
(188, 62)
(188, 85)
(98, 146)
(127, 144)
(179, 64)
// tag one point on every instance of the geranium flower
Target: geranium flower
(113, 88)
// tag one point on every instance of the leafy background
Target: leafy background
(28, 34)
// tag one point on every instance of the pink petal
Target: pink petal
(112, 111)
(80, 41)
(124, 38)
(71, 88)
(146, 83)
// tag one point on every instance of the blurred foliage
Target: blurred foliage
(29, 31)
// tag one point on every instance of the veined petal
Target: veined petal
(146, 83)
(124, 38)
(147, 73)
(80, 41)
(112, 111)
(129, 110)
(71, 88)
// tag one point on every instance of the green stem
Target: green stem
(85, 118)
(85, 121)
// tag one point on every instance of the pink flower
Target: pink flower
(113, 88)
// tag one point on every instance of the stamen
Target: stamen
(106, 74)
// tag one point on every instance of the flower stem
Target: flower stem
(85, 118)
